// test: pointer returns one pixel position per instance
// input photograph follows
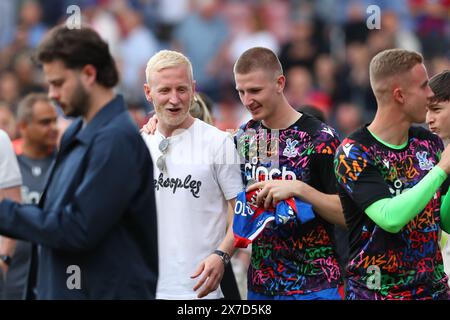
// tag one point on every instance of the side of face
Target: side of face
(171, 91)
(416, 93)
(258, 91)
(438, 118)
(69, 87)
(42, 129)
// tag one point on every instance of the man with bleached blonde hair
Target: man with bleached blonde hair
(394, 251)
(194, 184)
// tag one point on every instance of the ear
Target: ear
(193, 86)
(281, 83)
(89, 74)
(398, 95)
(22, 125)
(147, 91)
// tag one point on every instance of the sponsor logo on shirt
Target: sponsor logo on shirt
(261, 173)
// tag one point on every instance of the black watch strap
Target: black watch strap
(224, 256)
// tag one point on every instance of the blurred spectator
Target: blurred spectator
(31, 21)
(53, 10)
(353, 79)
(275, 16)
(137, 113)
(321, 101)
(432, 25)
(325, 74)
(9, 89)
(7, 22)
(101, 19)
(163, 16)
(402, 38)
(7, 121)
(438, 63)
(25, 71)
(18, 44)
(251, 34)
(348, 118)
(355, 27)
(300, 91)
(201, 37)
(137, 45)
(303, 46)
(378, 41)
(299, 84)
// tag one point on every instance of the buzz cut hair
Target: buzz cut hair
(167, 59)
(258, 58)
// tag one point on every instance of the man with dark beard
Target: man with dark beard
(95, 225)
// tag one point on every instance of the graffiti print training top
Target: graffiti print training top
(383, 265)
(294, 258)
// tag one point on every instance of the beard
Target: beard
(172, 121)
(79, 102)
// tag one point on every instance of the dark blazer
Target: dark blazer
(97, 214)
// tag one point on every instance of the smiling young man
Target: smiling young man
(196, 178)
(287, 154)
(394, 251)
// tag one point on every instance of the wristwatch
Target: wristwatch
(224, 256)
(6, 259)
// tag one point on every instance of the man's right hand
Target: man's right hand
(444, 164)
(150, 126)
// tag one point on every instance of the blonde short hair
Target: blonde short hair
(389, 63)
(167, 59)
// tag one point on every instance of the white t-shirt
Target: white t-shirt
(9, 168)
(191, 199)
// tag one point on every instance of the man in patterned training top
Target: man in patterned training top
(394, 252)
(288, 154)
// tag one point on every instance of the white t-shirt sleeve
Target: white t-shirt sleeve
(227, 168)
(9, 168)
